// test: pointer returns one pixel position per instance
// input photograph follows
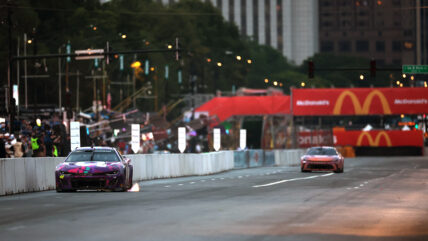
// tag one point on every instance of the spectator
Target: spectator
(2, 149)
(17, 148)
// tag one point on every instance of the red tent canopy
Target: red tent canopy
(225, 107)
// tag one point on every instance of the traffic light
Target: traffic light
(372, 68)
(311, 69)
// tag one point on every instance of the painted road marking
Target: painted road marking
(16, 228)
(291, 180)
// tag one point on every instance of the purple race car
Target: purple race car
(94, 168)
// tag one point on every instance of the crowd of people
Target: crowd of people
(34, 139)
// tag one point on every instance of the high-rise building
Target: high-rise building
(422, 32)
(290, 26)
(383, 30)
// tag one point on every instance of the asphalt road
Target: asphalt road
(374, 199)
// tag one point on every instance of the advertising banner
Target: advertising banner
(74, 134)
(135, 137)
(360, 101)
(378, 138)
(314, 138)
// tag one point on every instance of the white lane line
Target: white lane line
(282, 181)
(361, 185)
(356, 187)
(247, 175)
(213, 179)
(222, 178)
(326, 175)
(16, 228)
(240, 177)
(167, 186)
(192, 182)
(181, 184)
(366, 182)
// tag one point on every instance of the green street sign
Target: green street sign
(415, 69)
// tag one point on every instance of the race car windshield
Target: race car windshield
(322, 151)
(95, 156)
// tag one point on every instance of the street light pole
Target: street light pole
(9, 73)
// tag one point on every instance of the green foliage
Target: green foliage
(203, 35)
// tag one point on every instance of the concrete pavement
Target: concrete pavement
(374, 199)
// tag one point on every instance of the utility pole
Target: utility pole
(59, 83)
(9, 73)
(134, 101)
(17, 75)
(25, 71)
(78, 92)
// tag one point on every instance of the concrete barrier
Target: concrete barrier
(19, 175)
(154, 166)
(288, 157)
(258, 158)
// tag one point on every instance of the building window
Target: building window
(396, 46)
(362, 46)
(380, 46)
(326, 24)
(346, 23)
(408, 45)
(344, 46)
(396, 62)
(363, 24)
(408, 33)
(326, 3)
(380, 62)
(327, 46)
(396, 3)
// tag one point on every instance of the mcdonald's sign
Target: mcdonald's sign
(374, 142)
(378, 138)
(364, 109)
(359, 101)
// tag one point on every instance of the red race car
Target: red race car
(322, 158)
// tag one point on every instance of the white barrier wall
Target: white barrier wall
(18, 175)
(288, 157)
(153, 166)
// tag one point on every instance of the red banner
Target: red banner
(360, 101)
(226, 107)
(379, 138)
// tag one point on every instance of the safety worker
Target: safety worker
(35, 144)
(55, 151)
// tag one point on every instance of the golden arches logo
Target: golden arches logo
(376, 141)
(361, 110)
